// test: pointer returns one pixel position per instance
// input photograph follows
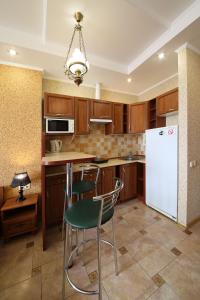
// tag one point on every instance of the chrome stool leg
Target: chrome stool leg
(114, 246)
(99, 263)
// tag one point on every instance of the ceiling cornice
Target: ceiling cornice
(13, 64)
(157, 84)
(188, 46)
(178, 25)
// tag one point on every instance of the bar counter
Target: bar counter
(59, 159)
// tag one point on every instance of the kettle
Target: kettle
(56, 145)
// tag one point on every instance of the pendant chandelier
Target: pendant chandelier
(77, 65)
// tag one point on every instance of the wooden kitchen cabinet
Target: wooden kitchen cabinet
(107, 179)
(82, 107)
(155, 121)
(138, 117)
(167, 102)
(128, 174)
(100, 109)
(58, 105)
(117, 125)
(141, 177)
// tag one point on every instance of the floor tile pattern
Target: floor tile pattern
(158, 260)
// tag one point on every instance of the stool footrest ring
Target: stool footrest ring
(82, 291)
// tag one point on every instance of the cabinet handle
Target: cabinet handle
(171, 109)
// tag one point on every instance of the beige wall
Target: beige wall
(65, 88)
(159, 89)
(189, 133)
(20, 125)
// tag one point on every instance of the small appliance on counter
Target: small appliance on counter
(100, 160)
(56, 145)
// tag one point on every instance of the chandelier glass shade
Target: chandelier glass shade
(76, 64)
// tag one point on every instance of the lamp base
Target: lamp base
(21, 195)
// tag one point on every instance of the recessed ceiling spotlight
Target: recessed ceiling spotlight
(12, 52)
(161, 55)
(129, 80)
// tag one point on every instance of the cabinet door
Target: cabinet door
(107, 179)
(161, 106)
(167, 103)
(171, 101)
(138, 117)
(100, 109)
(128, 174)
(55, 198)
(58, 105)
(82, 116)
(117, 125)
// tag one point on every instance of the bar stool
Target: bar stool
(87, 183)
(87, 214)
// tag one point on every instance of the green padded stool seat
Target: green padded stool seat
(85, 214)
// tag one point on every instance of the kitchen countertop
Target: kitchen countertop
(61, 158)
(111, 163)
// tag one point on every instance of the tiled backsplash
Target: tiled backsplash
(99, 144)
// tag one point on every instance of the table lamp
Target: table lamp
(20, 180)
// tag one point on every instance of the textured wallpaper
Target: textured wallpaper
(193, 95)
(20, 125)
(189, 135)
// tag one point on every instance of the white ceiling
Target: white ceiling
(122, 37)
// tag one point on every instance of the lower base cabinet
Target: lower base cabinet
(128, 174)
(141, 181)
(107, 179)
(132, 174)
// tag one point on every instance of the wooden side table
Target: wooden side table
(19, 217)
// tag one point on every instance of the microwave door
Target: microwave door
(57, 126)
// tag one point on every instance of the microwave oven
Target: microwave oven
(54, 125)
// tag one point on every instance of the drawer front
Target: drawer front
(12, 229)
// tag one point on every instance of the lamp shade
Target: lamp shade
(20, 179)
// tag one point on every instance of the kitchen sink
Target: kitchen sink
(130, 158)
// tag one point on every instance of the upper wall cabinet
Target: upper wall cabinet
(138, 117)
(117, 125)
(167, 103)
(100, 109)
(82, 107)
(58, 106)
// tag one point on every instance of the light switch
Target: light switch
(193, 164)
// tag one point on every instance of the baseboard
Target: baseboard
(193, 222)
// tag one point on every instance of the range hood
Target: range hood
(101, 121)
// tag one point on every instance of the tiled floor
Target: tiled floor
(157, 260)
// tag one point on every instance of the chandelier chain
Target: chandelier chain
(70, 45)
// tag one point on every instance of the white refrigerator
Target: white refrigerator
(162, 170)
